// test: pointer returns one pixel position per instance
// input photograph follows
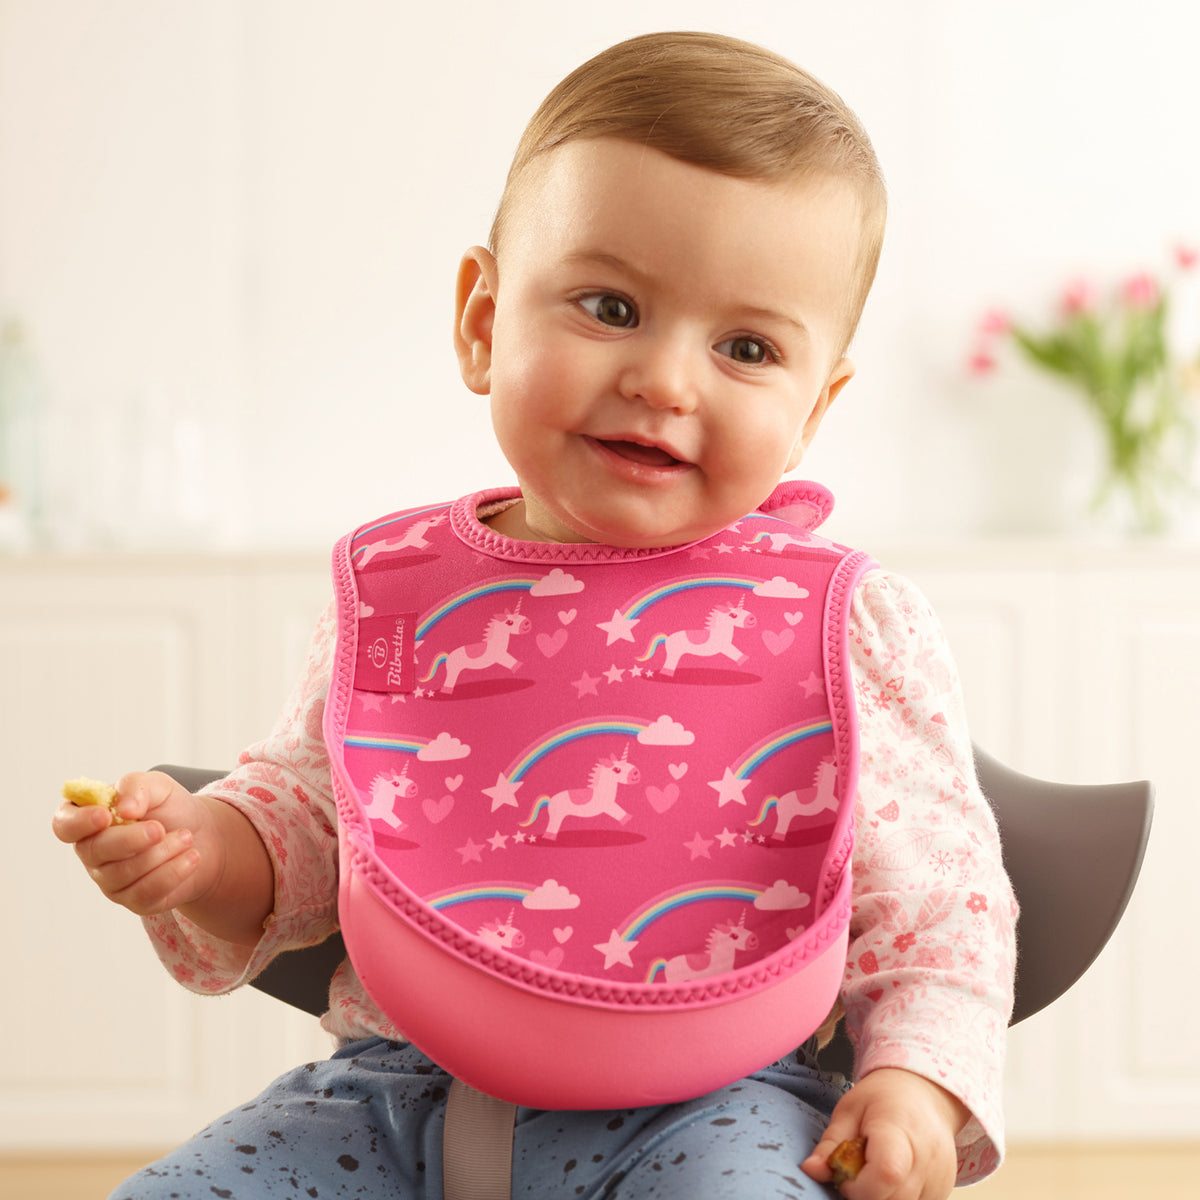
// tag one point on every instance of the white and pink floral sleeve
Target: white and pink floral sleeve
(929, 978)
(282, 785)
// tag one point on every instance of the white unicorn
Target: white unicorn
(387, 788)
(503, 935)
(491, 652)
(715, 638)
(781, 541)
(808, 803)
(413, 536)
(724, 941)
(599, 798)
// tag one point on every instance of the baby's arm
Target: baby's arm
(174, 850)
(928, 986)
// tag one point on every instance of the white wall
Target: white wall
(232, 226)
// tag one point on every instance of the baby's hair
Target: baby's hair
(719, 103)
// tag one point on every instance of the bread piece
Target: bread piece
(847, 1160)
(84, 791)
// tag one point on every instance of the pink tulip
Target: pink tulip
(1186, 257)
(994, 323)
(981, 362)
(1079, 296)
(1140, 290)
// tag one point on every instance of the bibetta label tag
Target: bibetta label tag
(386, 653)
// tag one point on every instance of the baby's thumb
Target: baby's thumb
(141, 792)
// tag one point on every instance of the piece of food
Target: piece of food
(847, 1160)
(84, 791)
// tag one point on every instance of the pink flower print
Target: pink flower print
(1140, 290)
(904, 942)
(1079, 296)
(977, 903)
(1186, 257)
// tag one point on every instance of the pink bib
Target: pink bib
(595, 804)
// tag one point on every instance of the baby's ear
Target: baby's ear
(841, 375)
(474, 310)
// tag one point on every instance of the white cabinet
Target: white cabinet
(1078, 664)
(105, 666)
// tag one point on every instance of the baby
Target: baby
(682, 252)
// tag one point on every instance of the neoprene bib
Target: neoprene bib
(595, 804)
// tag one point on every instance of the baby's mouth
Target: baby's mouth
(649, 456)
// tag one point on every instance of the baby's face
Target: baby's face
(659, 341)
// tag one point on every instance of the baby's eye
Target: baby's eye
(610, 310)
(748, 350)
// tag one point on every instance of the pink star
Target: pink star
(585, 685)
(726, 838)
(498, 841)
(371, 701)
(619, 627)
(813, 685)
(699, 847)
(615, 950)
(504, 792)
(614, 674)
(470, 852)
(729, 789)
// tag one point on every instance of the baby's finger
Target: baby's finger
(816, 1166)
(118, 845)
(889, 1171)
(72, 824)
(140, 792)
(155, 880)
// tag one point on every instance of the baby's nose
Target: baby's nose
(662, 374)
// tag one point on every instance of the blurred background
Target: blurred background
(228, 237)
(229, 230)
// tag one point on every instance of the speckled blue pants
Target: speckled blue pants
(368, 1123)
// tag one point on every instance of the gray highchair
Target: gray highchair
(1070, 905)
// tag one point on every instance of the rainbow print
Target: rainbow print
(401, 745)
(565, 734)
(513, 893)
(669, 902)
(674, 586)
(774, 743)
(491, 588)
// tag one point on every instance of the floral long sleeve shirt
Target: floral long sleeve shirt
(929, 975)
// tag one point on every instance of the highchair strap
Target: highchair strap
(477, 1145)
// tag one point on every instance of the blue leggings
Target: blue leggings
(368, 1123)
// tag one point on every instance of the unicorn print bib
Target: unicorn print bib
(595, 804)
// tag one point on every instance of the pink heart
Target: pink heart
(548, 959)
(777, 643)
(567, 617)
(563, 934)
(793, 618)
(678, 770)
(437, 810)
(662, 798)
(793, 934)
(453, 782)
(550, 646)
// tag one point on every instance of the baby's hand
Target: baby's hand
(146, 860)
(909, 1124)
